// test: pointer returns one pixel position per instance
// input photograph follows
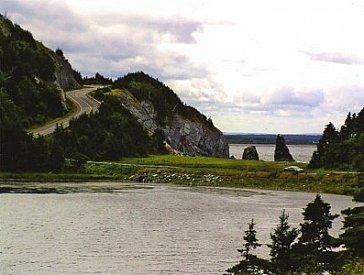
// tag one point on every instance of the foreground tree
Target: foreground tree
(353, 236)
(250, 264)
(313, 249)
(282, 237)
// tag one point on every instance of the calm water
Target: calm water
(161, 230)
(301, 153)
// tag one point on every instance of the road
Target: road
(84, 103)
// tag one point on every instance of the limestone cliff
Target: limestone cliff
(186, 130)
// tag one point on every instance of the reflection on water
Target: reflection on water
(156, 230)
(301, 153)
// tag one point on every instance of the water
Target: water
(158, 230)
(301, 153)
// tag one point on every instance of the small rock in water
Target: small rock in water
(250, 153)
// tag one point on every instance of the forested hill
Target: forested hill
(158, 109)
(342, 148)
(139, 114)
(32, 77)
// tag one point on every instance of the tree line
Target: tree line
(342, 148)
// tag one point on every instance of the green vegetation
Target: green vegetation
(97, 79)
(186, 170)
(27, 75)
(110, 134)
(312, 252)
(343, 149)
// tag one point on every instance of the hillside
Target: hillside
(139, 116)
(158, 109)
(32, 76)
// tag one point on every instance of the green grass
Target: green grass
(206, 171)
(211, 163)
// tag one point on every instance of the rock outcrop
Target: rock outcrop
(193, 138)
(183, 135)
(63, 73)
(250, 153)
(281, 152)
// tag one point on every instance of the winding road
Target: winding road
(85, 104)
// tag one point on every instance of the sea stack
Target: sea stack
(250, 153)
(281, 153)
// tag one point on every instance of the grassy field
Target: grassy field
(208, 171)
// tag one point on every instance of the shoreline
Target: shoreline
(185, 171)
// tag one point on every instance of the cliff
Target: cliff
(63, 72)
(157, 107)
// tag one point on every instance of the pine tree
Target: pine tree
(282, 237)
(251, 241)
(353, 236)
(250, 264)
(313, 250)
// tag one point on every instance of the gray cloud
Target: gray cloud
(180, 29)
(131, 46)
(335, 58)
(51, 15)
(288, 96)
(346, 98)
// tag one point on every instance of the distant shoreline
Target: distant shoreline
(271, 139)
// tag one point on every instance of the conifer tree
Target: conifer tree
(313, 250)
(251, 241)
(282, 237)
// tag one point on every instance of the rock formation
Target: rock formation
(63, 73)
(250, 153)
(183, 135)
(281, 152)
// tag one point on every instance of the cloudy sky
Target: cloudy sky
(253, 66)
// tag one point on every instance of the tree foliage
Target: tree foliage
(27, 75)
(283, 237)
(97, 79)
(250, 264)
(110, 134)
(310, 254)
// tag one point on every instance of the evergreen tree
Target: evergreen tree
(251, 241)
(353, 236)
(250, 264)
(313, 249)
(282, 237)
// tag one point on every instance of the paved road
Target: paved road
(84, 104)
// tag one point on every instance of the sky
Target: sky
(252, 66)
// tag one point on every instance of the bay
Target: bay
(147, 229)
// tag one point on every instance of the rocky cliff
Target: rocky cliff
(186, 130)
(63, 73)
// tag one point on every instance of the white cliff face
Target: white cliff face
(186, 136)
